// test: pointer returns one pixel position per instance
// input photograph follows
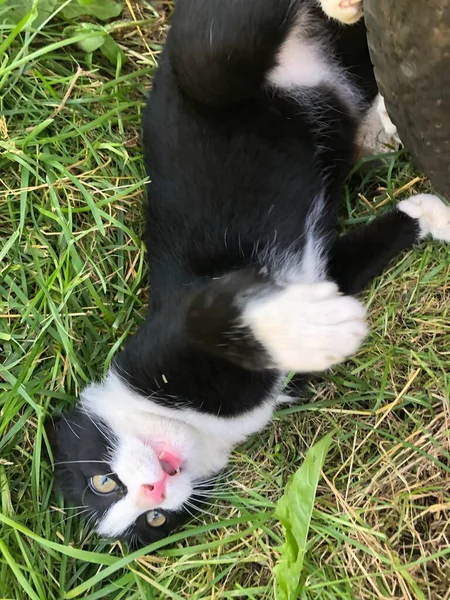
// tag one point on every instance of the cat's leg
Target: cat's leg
(221, 51)
(362, 254)
(250, 320)
(345, 11)
(376, 132)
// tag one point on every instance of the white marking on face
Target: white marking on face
(202, 441)
(431, 213)
(137, 465)
(307, 327)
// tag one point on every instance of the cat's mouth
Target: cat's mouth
(169, 460)
(170, 463)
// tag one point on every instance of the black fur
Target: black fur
(235, 168)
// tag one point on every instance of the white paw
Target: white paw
(433, 215)
(307, 328)
(345, 11)
(385, 119)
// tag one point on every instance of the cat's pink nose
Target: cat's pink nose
(155, 492)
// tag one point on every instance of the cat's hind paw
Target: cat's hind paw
(345, 11)
(385, 119)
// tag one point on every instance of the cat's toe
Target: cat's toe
(345, 11)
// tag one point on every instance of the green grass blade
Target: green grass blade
(15, 568)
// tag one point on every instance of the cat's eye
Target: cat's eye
(155, 518)
(102, 484)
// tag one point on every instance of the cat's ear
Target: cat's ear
(217, 319)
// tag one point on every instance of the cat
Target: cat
(249, 132)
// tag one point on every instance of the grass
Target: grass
(73, 287)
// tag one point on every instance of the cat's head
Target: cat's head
(137, 475)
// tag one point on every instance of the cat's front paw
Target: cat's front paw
(345, 11)
(308, 328)
(432, 214)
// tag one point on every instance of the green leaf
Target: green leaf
(38, 10)
(100, 9)
(113, 52)
(294, 510)
(91, 43)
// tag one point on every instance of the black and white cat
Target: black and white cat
(249, 133)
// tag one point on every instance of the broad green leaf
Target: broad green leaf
(294, 510)
(100, 9)
(111, 49)
(39, 10)
(91, 43)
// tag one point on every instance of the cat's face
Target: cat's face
(136, 485)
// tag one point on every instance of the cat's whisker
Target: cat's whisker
(213, 498)
(212, 486)
(133, 541)
(200, 509)
(205, 503)
(74, 462)
(91, 519)
(84, 492)
(69, 425)
(211, 481)
(64, 511)
(86, 510)
(211, 494)
(206, 491)
(100, 426)
(192, 515)
(212, 489)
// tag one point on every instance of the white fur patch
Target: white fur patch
(202, 441)
(433, 215)
(290, 267)
(307, 328)
(314, 261)
(300, 64)
(345, 11)
(303, 62)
